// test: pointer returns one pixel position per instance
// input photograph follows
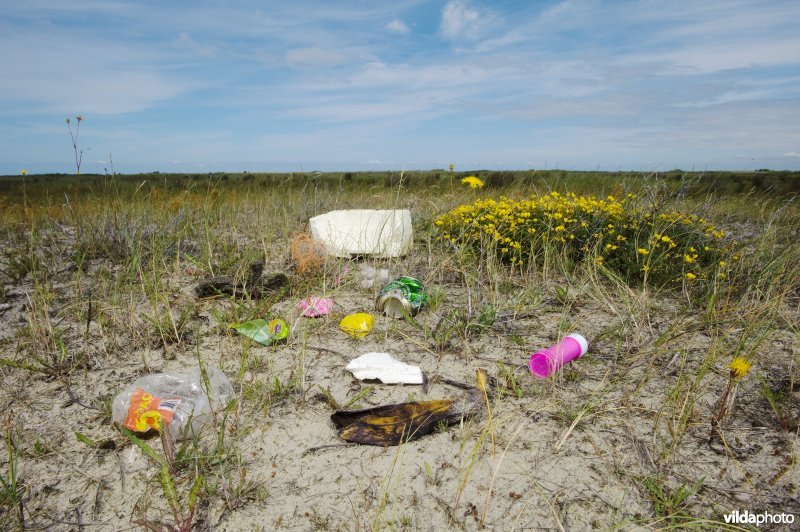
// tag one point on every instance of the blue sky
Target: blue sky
(275, 86)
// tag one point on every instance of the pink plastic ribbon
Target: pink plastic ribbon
(314, 307)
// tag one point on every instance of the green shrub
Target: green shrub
(640, 242)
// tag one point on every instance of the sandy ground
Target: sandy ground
(572, 453)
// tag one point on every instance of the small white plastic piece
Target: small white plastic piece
(386, 368)
(379, 233)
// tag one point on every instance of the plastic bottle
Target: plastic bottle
(547, 361)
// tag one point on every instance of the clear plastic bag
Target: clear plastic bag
(369, 276)
(176, 400)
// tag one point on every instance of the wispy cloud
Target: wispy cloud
(397, 26)
(67, 74)
(313, 57)
(459, 19)
(186, 41)
(708, 58)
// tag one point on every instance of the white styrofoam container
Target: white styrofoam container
(379, 233)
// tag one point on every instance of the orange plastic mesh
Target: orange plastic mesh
(307, 254)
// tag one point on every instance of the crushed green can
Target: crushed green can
(402, 297)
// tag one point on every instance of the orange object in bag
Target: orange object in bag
(147, 411)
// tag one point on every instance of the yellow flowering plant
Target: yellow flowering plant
(634, 239)
(472, 182)
(739, 367)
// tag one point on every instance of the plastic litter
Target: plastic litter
(380, 233)
(263, 332)
(314, 307)
(369, 276)
(178, 401)
(386, 368)
(340, 277)
(399, 423)
(357, 325)
(404, 296)
(308, 254)
(547, 361)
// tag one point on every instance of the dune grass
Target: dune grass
(97, 275)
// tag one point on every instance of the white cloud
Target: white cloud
(58, 73)
(377, 74)
(458, 18)
(397, 26)
(791, 154)
(186, 41)
(313, 57)
(728, 56)
(397, 107)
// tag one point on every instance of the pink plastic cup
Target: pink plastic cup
(547, 361)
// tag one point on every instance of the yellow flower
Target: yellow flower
(690, 276)
(722, 263)
(643, 251)
(23, 172)
(740, 367)
(472, 181)
(452, 166)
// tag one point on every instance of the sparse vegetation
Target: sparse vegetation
(97, 286)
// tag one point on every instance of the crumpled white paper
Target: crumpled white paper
(386, 368)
